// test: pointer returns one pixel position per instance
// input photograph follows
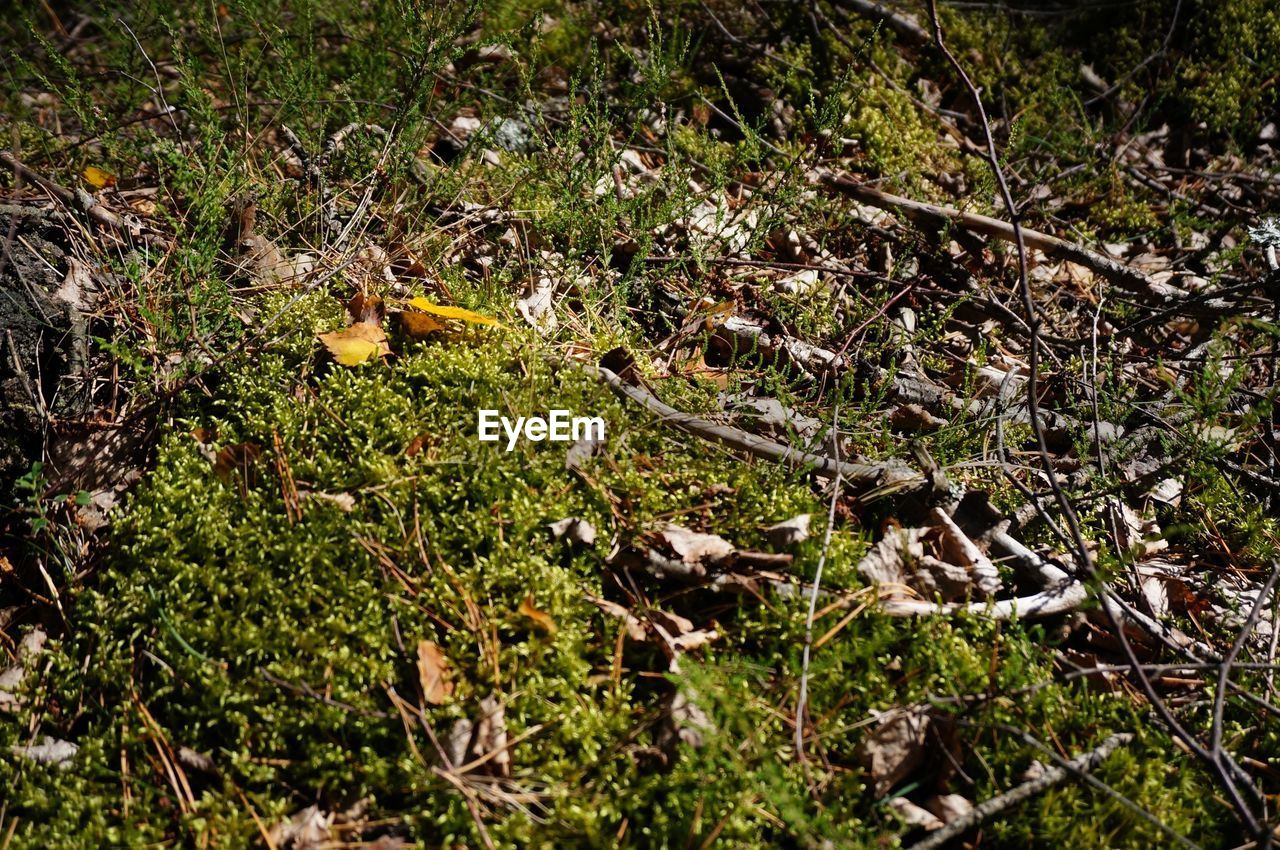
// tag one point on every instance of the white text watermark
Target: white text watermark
(557, 426)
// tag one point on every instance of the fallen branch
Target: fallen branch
(85, 202)
(1059, 249)
(1082, 763)
(906, 26)
(1061, 593)
(884, 478)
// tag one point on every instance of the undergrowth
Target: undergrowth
(278, 646)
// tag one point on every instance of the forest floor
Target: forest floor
(936, 500)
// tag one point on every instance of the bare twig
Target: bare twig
(1051, 776)
(1224, 671)
(906, 27)
(1219, 762)
(885, 478)
(802, 699)
(85, 202)
(1010, 231)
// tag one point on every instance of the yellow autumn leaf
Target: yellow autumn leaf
(541, 618)
(450, 312)
(356, 344)
(97, 178)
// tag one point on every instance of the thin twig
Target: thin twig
(1217, 761)
(1010, 231)
(886, 478)
(803, 698)
(1051, 776)
(1224, 671)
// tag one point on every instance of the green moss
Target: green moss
(218, 613)
(892, 132)
(271, 641)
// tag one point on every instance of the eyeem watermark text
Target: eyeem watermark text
(557, 426)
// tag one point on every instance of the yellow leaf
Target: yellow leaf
(356, 344)
(433, 673)
(97, 178)
(541, 618)
(450, 312)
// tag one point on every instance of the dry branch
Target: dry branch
(87, 203)
(1061, 593)
(932, 215)
(1082, 763)
(906, 26)
(885, 478)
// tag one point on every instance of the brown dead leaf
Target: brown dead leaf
(434, 673)
(366, 309)
(887, 561)
(490, 737)
(912, 418)
(417, 326)
(238, 457)
(309, 829)
(913, 815)
(144, 207)
(693, 547)
(789, 532)
(343, 501)
(541, 618)
(635, 628)
(418, 443)
(685, 722)
(931, 561)
(575, 530)
(896, 747)
(948, 807)
(679, 632)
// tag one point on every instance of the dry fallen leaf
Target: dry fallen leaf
(52, 751)
(240, 456)
(356, 344)
(458, 741)
(491, 737)
(913, 815)
(957, 548)
(450, 312)
(306, 830)
(417, 326)
(948, 807)
(912, 418)
(433, 673)
(895, 748)
(788, 532)
(541, 618)
(931, 561)
(678, 632)
(537, 306)
(343, 501)
(695, 547)
(425, 440)
(685, 722)
(574, 529)
(97, 178)
(31, 646)
(886, 563)
(635, 628)
(367, 309)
